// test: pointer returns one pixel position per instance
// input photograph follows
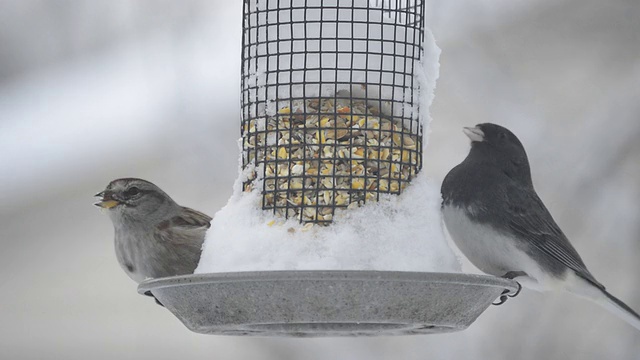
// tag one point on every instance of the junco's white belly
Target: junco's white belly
(493, 252)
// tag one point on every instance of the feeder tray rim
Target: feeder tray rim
(342, 275)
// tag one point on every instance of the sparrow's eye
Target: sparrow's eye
(132, 191)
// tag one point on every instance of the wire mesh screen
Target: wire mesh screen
(330, 102)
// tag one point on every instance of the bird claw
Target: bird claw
(506, 294)
(517, 291)
(148, 293)
(503, 298)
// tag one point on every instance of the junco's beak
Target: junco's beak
(107, 201)
(474, 133)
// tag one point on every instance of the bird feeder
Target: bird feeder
(329, 105)
(331, 122)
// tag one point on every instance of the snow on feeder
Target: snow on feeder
(332, 229)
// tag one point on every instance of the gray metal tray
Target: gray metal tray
(327, 303)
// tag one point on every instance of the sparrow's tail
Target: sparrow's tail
(620, 309)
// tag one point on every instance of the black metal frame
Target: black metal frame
(339, 43)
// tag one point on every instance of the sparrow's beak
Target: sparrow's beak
(107, 201)
(474, 133)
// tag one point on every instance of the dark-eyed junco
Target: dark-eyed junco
(495, 217)
(154, 236)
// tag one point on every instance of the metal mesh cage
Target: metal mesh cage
(330, 102)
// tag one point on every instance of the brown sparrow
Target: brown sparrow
(154, 236)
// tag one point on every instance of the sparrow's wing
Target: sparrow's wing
(189, 227)
(530, 219)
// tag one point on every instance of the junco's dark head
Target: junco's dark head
(497, 146)
(134, 199)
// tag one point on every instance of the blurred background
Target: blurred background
(95, 90)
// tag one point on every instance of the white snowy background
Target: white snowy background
(91, 91)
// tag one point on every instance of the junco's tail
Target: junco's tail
(620, 309)
(594, 291)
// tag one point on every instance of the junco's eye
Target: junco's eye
(132, 191)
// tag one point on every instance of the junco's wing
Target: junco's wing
(530, 219)
(188, 227)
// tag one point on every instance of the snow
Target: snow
(427, 75)
(398, 233)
